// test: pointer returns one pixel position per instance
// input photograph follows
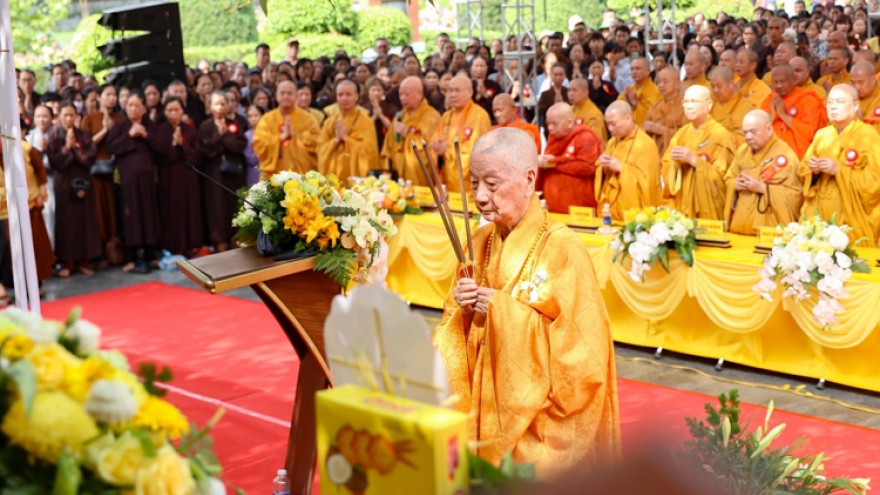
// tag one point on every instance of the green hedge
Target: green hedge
(243, 52)
(297, 17)
(383, 21)
(89, 35)
(207, 23)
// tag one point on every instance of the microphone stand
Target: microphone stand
(190, 166)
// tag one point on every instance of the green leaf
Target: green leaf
(146, 440)
(483, 471)
(860, 266)
(663, 256)
(74, 315)
(69, 475)
(25, 377)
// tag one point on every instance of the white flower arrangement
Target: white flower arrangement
(812, 254)
(649, 234)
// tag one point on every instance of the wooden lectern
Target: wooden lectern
(300, 299)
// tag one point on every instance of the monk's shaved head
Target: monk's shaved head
(516, 146)
(561, 109)
(722, 73)
(694, 65)
(560, 120)
(640, 70)
(863, 67)
(285, 94)
(842, 105)
(801, 70)
(578, 91)
(667, 82)
(697, 103)
(720, 80)
(862, 78)
(460, 91)
(619, 107)
(504, 109)
(619, 119)
(757, 129)
(580, 83)
(504, 99)
(864, 55)
(343, 83)
(783, 80)
(412, 82)
(836, 39)
(411, 92)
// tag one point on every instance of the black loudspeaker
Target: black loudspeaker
(155, 55)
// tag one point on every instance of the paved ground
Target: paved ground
(672, 370)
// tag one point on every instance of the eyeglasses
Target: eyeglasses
(838, 103)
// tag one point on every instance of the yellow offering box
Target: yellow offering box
(374, 443)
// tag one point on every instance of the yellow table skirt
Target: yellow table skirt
(707, 310)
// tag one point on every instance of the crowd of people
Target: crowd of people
(737, 133)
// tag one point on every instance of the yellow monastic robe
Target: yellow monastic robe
(318, 115)
(776, 165)
(298, 154)
(701, 81)
(588, 114)
(536, 374)
(332, 110)
(357, 155)
(670, 114)
(810, 85)
(730, 114)
(699, 191)
(870, 108)
(829, 78)
(647, 95)
(768, 78)
(755, 91)
(467, 124)
(420, 124)
(852, 195)
(638, 183)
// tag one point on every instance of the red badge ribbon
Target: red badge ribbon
(851, 157)
(232, 127)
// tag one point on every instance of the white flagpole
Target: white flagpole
(24, 268)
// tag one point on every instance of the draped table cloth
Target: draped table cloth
(707, 310)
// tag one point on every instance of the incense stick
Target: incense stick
(464, 202)
(445, 205)
(439, 199)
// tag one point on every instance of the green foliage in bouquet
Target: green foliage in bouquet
(744, 463)
(487, 479)
(649, 234)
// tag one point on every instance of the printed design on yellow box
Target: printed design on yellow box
(356, 452)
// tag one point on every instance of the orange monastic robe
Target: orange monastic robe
(467, 124)
(754, 90)
(776, 165)
(852, 195)
(298, 154)
(669, 114)
(588, 114)
(730, 114)
(638, 183)
(829, 78)
(536, 374)
(870, 108)
(420, 124)
(698, 191)
(701, 81)
(807, 116)
(355, 156)
(647, 95)
(571, 181)
(532, 129)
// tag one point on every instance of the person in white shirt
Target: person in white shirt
(38, 137)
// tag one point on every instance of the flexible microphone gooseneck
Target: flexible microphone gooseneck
(190, 166)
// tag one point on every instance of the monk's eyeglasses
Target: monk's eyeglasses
(838, 103)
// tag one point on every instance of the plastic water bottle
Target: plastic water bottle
(606, 215)
(281, 483)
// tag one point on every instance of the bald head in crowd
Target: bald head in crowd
(758, 129)
(864, 56)
(746, 64)
(514, 147)
(411, 93)
(784, 53)
(694, 65)
(619, 118)
(560, 120)
(801, 70)
(504, 109)
(836, 39)
(668, 82)
(460, 92)
(862, 79)
(728, 59)
(721, 82)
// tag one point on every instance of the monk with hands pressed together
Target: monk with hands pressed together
(526, 342)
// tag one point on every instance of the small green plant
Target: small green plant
(744, 463)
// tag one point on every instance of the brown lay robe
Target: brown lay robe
(77, 237)
(136, 161)
(102, 185)
(220, 206)
(180, 202)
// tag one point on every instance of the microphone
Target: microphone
(190, 166)
(398, 116)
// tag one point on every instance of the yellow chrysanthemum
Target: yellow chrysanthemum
(630, 215)
(79, 379)
(662, 214)
(160, 416)
(9, 327)
(166, 474)
(51, 362)
(56, 422)
(17, 347)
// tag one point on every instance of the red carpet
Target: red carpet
(225, 349)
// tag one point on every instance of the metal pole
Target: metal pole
(24, 268)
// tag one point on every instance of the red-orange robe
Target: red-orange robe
(807, 112)
(571, 181)
(532, 129)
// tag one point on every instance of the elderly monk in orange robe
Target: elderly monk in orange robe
(464, 120)
(837, 61)
(782, 55)
(504, 109)
(752, 88)
(642, 95)
(347, 146)
(797, 113)
(695, 65)
(803, 78)
(763, 187)
(699, 155)
(568, 165)
(286, 138)
(730, 106)
(841, 170)
(666, 117)
(418, 120)
(628, 175)
(526, 341)
(584, 110)
(862, 78)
